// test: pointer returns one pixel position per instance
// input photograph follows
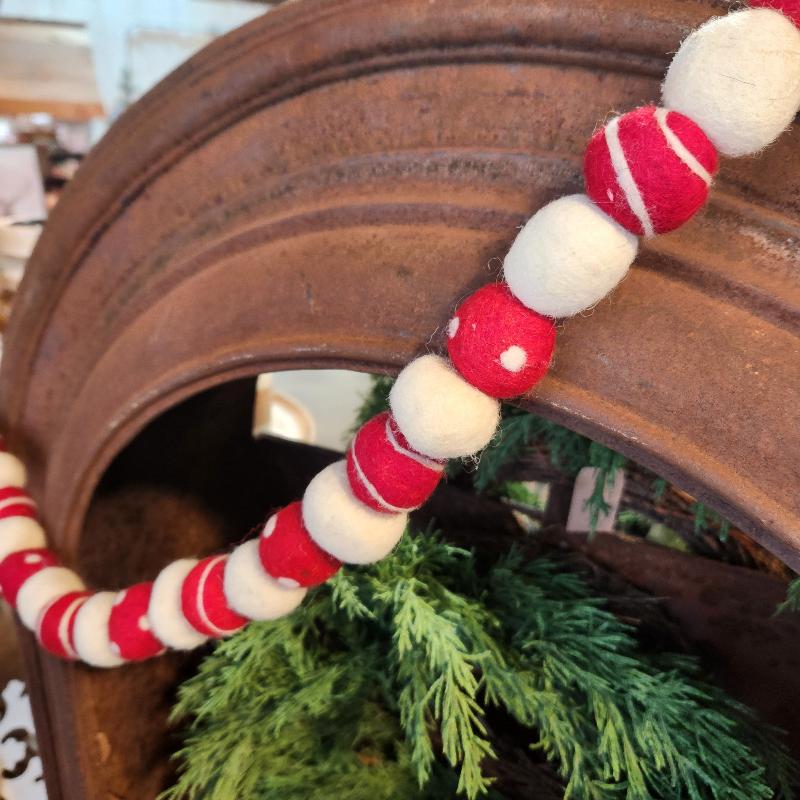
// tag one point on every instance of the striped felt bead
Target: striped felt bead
(56, 624)
(203, 599)
(650, 169)
(385, 473)
(16, 502)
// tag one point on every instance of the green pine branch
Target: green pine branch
(380, 687)
(792, 601)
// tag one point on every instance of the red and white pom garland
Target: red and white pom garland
(733, 86)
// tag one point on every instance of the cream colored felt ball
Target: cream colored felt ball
(251, 592)
(342, 525)
(738, 78)
(568, 257)
(165, 611)
(439, 413)
(90, 633)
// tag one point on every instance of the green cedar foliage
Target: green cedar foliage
(792, 601)
(378, 689)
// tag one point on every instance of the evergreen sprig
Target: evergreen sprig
(792, 601)
(382, 684)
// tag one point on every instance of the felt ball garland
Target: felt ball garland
(732, 87)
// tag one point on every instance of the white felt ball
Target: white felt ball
(41, 589)
(439, 413)
(12, 471)
(165, 611)
(568, 257)
(251, 592)
(20, 533)
(738, 78)
(342, 525)
(90, 633)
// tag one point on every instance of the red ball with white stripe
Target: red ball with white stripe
(385, 473)
(54, 628)
(499, 345)
(129, 633)
(290, 555)
(16, 502)
(203, 599)
(650, 169)
(17, 568)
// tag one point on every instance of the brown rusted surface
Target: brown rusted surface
(319, 187)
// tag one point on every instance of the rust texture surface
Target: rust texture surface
(320, 187)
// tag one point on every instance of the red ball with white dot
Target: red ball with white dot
(203, 599)
(385, 473)
(290, 555)
(56, 624)
(650, 169)
(789, 8)
(19, 567)
(129, 631)
(499, 345)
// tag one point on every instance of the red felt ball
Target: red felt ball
(129, 632)
(203, 599)
(17, 567)
(499, 345)
(790, 8)
(650, 169)
(16, 502)
(54, 628)
(384, 472)
(289, 554)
